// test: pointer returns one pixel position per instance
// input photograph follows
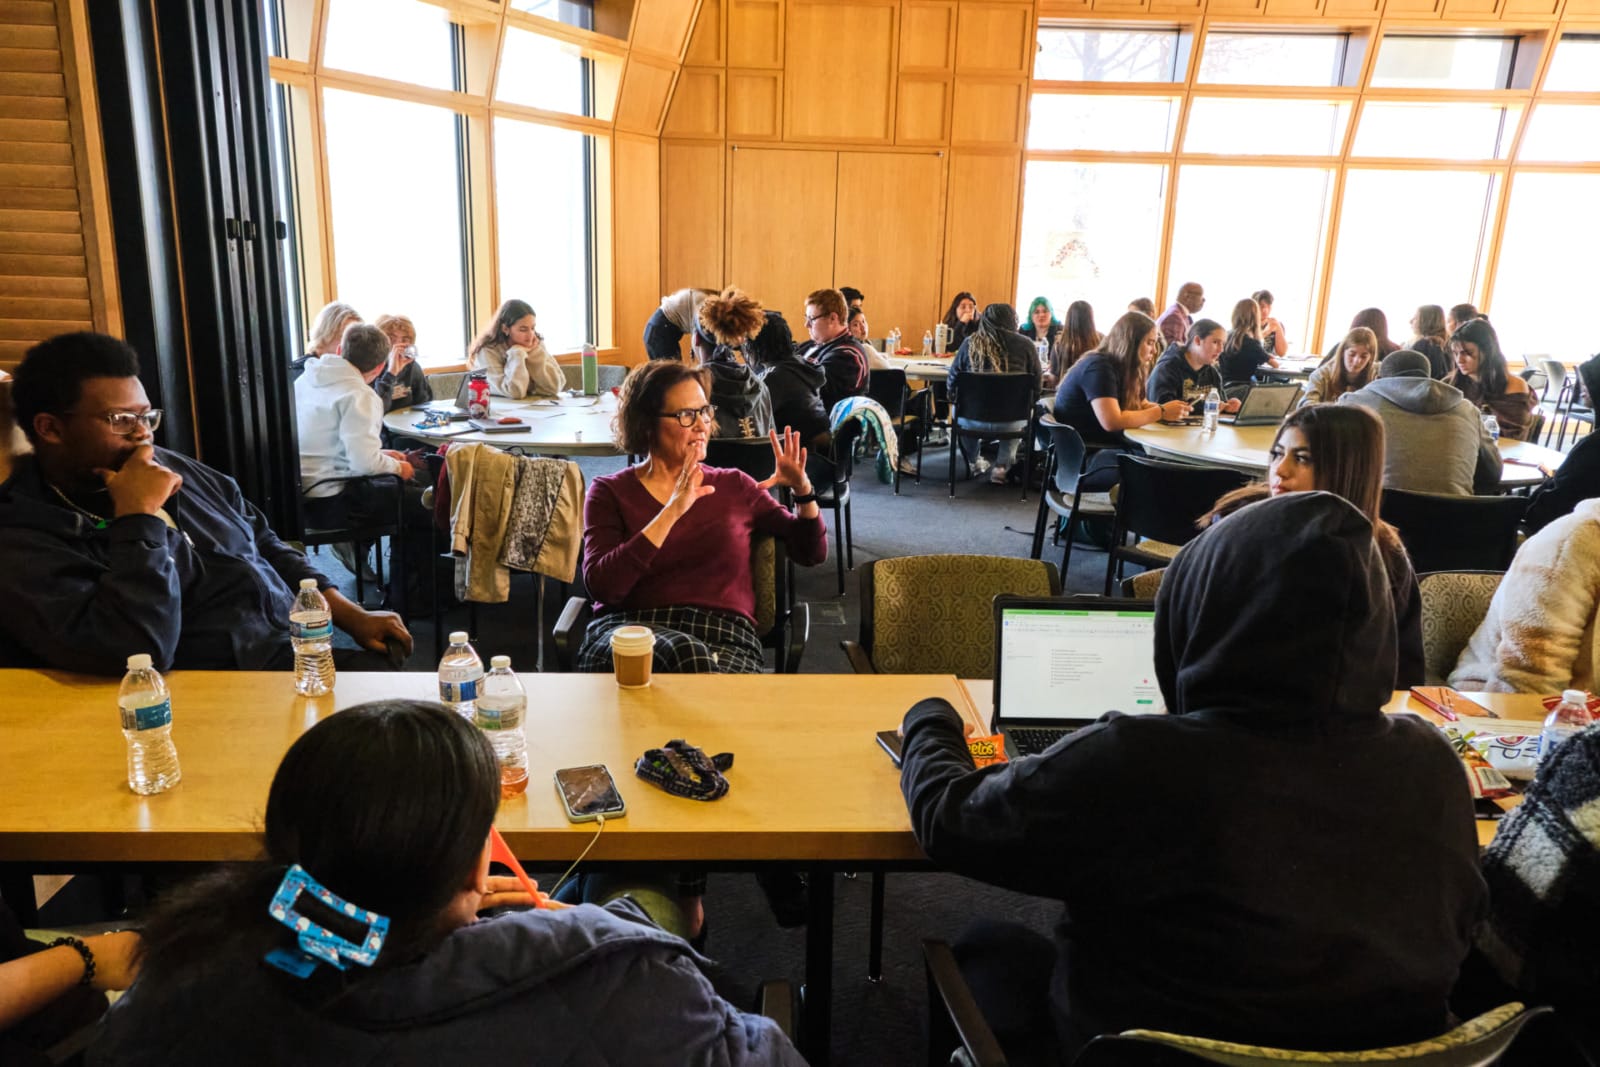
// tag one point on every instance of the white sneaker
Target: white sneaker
(998, 475)
(980, 467)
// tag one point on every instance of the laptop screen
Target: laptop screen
(1075, 662)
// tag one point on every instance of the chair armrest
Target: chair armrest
(799, 634)
(776, 1000)
(945, 977)
(860, 662)
(574, 619)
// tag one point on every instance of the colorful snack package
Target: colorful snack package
(1485, 782)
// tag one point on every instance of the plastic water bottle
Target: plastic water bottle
(1491, 424)
(1213, 407)
(500, 708)
(1569, 717)
(1043, 348)
(311, 633)
(927, 342)
(460, 673)
(147, 724)
(894, 341)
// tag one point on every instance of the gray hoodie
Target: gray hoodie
(1435, 440)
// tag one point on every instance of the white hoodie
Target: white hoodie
(339, 417)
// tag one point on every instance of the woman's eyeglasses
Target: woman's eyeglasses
(689, 416)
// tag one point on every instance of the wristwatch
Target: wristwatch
(806, 498)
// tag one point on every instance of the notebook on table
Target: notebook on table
(1062, 662)
(1264, 405)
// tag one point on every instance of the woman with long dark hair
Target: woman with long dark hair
(1076, 340)
(378, 831)
(995, 347)
(961, 317)
(513, 355)
(1375, 320)
(1483, 379)
(1104, 394)
(1338, 448)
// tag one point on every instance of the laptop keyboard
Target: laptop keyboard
(1032, 740)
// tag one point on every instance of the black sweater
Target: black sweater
(1239, 364)
(1276, 861)
(1173, 379)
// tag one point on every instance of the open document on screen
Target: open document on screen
(1066, 664)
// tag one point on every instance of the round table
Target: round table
(924, 368)
(1245, 449)
(569, 426)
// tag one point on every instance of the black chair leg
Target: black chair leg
(952, 459)
(875, 930)
(849, 539)
(1066, 553)
(837, 542)
(1036, 548)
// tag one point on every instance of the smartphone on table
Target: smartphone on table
(589, 792)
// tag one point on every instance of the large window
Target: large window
(1546, 275)
(1080, 54)
(394, 186)
(1102, 123)
(543, 183)
(1090, 231)
(1406, 62)
(1274, 58)
(1252, 126)
(1240, 229)
(404, 40)
(1408, 238)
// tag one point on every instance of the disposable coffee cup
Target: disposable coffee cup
(632, 649)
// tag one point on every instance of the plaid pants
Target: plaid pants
(688, 641)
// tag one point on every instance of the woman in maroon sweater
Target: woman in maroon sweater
(667, 541)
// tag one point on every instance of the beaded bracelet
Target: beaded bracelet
(83, 950)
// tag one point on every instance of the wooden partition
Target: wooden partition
(56, 265)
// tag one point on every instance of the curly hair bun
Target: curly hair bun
(732, 316)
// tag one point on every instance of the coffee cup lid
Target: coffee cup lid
(633, 638)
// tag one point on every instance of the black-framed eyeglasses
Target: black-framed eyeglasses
(126, 423)
(689, 416)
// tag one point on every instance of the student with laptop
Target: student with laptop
(1275, 861)
(1188, 371)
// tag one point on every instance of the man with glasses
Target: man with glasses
(833, 349)
(114, 547)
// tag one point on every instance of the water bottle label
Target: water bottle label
(458, 692)
(148, 718)
(489, 718)
(317, 631)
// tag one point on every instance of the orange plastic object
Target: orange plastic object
(500, 852)
(987, 750)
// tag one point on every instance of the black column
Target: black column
(190, 165)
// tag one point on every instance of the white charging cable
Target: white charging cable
(601, 820)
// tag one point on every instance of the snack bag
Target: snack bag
(1485, 782)
(987, 750)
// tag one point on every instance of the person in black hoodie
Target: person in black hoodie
(1275, 861)
(793, 384)
(831, 347)
(743, 408)
(1188, 372)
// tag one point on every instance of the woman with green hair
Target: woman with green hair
(1042, 324)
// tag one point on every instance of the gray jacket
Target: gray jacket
(1435, 440)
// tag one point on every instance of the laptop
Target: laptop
(1264, 405)
(1062, 662)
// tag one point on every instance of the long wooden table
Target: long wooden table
(1245, 448)
(570, 426)
(810, 786)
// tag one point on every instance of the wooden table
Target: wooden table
(1519, 713)
(570, 426)
(1245, 449)
(811, 787)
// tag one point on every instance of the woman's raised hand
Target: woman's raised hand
(689, 487)
(790, 461)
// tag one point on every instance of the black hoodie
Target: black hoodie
(1276, 861)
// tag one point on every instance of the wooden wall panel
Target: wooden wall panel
(995, 39)
(696, 109)
(755, 34)
(691, 215)
(53, 278)
(636, 290)
(780, 225)
(705, 43)
(922, 110)
(927, 36)
(836, 93)
(887, 243)
(989, 111)
(981, 225)
(661, 27)
(645, 88)
(755, 104)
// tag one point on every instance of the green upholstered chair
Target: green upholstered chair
(1453, 605)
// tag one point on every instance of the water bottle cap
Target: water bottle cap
(308, 583)
(1568, 696)
(458, 637)
(500, 663)
(140, 662)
